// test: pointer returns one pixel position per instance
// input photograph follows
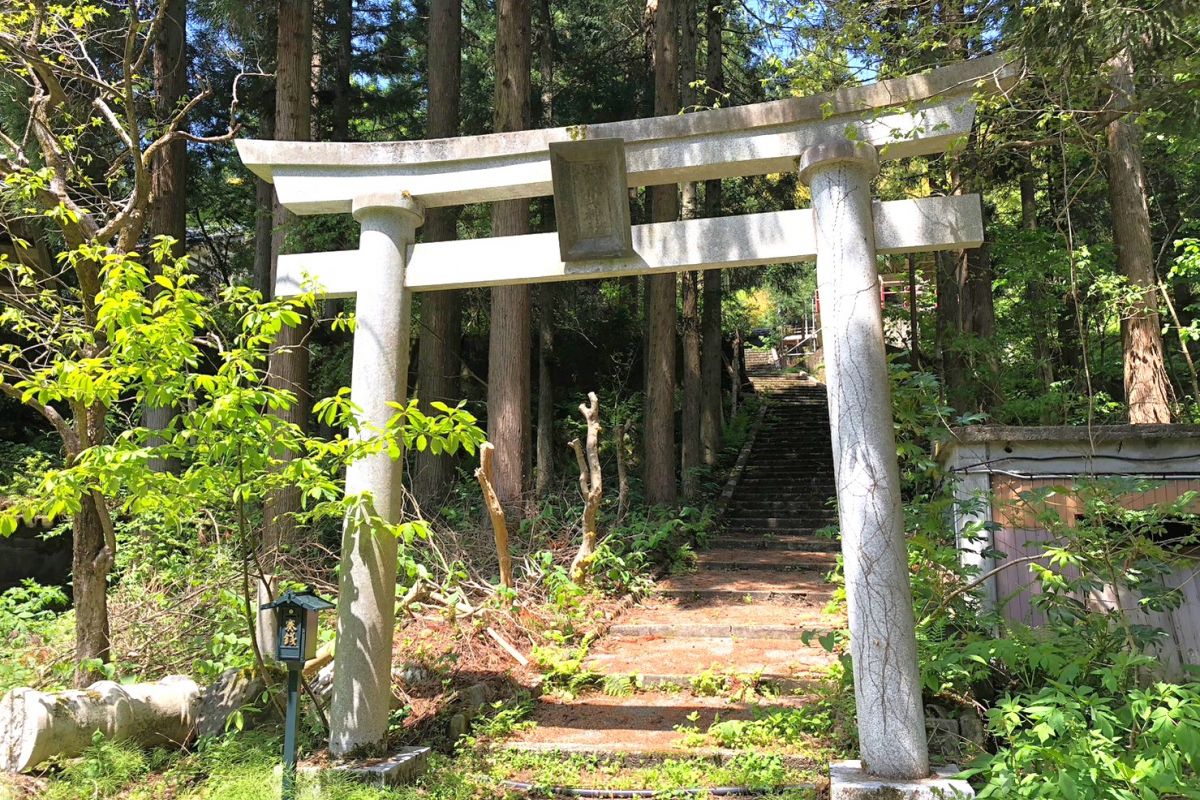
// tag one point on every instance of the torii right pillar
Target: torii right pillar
(883, 645)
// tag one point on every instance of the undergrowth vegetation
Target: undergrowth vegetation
(1081, 706)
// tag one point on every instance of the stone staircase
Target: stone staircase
(758, 587)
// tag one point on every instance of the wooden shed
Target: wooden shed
(998, 467)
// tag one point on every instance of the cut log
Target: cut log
(37, 725)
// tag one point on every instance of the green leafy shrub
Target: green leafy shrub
(1078, 742)
(105, 769)
(31, 617)
(778, 727)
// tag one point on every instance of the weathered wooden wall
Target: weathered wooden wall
(1021, 534)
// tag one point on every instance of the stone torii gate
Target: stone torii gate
(835, 140)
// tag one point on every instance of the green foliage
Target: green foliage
(501, 720)
(1076, 717)
(562, 668)
(1075, 741)
(225, 430)
(31, 618)
(29, 606)
(764, 773)
(104, 770)
(774, 727)
(621, 685)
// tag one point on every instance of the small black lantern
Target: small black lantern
(295, 643)
(296, 625)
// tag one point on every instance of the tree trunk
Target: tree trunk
(509, 342)
(619, 441)
(954, 267)
(440, 339)
(288, 366)
(36, 726)
(343, 35)
(982, 325)
(168, 174)
(690, 454)
(659, 426)
(1147, 390)
(546, 61)
(1034, 291)
(545, 401)
(953, 368)
(914, 313)
(711, 341)
(89, 590)
(484, 474)
(546, 293)
(264, 193)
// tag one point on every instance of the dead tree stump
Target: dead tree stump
(496, 511)
(591, 486)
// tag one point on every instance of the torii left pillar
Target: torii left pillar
(362, 676)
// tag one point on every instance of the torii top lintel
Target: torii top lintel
(902, 117)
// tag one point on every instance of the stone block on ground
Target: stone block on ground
(474, 697)
(457, 727)
(849, 781)
(401, 767)
(945, 739)
(234, 690)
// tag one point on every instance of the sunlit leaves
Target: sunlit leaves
(149, 338)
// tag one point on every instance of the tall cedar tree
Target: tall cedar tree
(343, 53)
(1147, 390)
(689, 452)
(711, 344)
(288, 365)
(168, 180)
(509, 343)
(545, 293)
(659, 424)
(441, 312)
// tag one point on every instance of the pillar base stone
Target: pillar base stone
(849, 781)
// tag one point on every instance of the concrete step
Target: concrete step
(643, 727)
(793, 486)
(746, 517)
(792, 476)
(732, 558)
(779, 541)
(682, 657)
(662, 617)
(766, 523)
(798, 527)
(796, 505)
(788, 457)
(753, 584)
(800, 532)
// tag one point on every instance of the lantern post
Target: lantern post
(295, 644)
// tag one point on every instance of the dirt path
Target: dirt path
(736, 621)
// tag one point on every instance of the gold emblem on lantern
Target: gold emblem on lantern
(290, 634)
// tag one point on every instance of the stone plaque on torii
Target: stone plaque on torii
(834, 140)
